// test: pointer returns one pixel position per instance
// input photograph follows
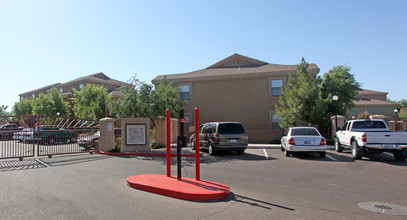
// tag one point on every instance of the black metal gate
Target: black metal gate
(30, 135)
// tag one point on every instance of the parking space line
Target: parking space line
(331, 158)
(265, 153)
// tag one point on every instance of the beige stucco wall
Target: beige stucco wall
(161, 129)
(246, 100)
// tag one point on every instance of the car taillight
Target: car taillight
(364, 138)
(216, 138)
(323, 142)
(291, 141)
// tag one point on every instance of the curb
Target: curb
(145, 154)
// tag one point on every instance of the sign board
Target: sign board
(136, 134)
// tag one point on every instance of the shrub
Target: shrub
(156, 145)
(117, 145)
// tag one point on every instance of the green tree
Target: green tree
(24, 107)
(90, 102)
(61, 106)
(142, 101)
(339, 81)
(299, 104)
(165, 96)
(3, 110)
(307, 100)
(403, 113)
(43, 105)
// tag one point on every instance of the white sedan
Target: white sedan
(303, 139)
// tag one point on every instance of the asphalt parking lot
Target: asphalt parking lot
(264, 185)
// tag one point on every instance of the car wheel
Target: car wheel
(193, 144)
(399, 156)
(338, 147)
(322, 154)
(211, 149)
(240, 152)
(356, 153)
(287, 153)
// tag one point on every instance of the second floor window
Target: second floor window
(184, 92)
(276, 87)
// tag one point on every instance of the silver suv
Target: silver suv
(221, 136)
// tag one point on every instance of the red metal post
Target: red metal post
(168, 132)
(197, 159)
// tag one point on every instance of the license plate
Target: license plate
(307, 142)
(233, 141)
(389, 146)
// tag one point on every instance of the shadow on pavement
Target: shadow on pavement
(43, 162)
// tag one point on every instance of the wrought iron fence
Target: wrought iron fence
(30, 136)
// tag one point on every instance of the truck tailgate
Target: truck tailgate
(387, 137)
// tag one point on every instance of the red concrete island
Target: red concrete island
(180, 187)
(185, 188)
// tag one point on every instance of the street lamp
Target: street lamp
(395, 119)
(335, 98)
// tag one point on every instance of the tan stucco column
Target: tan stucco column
(106, 139)
(341, 122)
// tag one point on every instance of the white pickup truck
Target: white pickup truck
(371, 136)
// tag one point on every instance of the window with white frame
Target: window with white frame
(185, 92)
(276, 86)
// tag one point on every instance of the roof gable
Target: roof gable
(237, 61)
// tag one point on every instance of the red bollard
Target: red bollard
(168, 143)
(197, 156)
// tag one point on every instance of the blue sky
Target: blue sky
(49, 41)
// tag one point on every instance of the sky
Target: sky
(43, 42)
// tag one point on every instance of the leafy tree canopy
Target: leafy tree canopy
(90, 102)
(3, 110)
(142, 101)
(339, 81)
(45, 104)
(307, 100)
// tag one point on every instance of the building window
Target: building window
(274, 122)
(61, 89)
(184, 92)
(33, 96)
(80, 86)
(276, 86)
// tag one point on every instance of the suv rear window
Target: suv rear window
(231, 128)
